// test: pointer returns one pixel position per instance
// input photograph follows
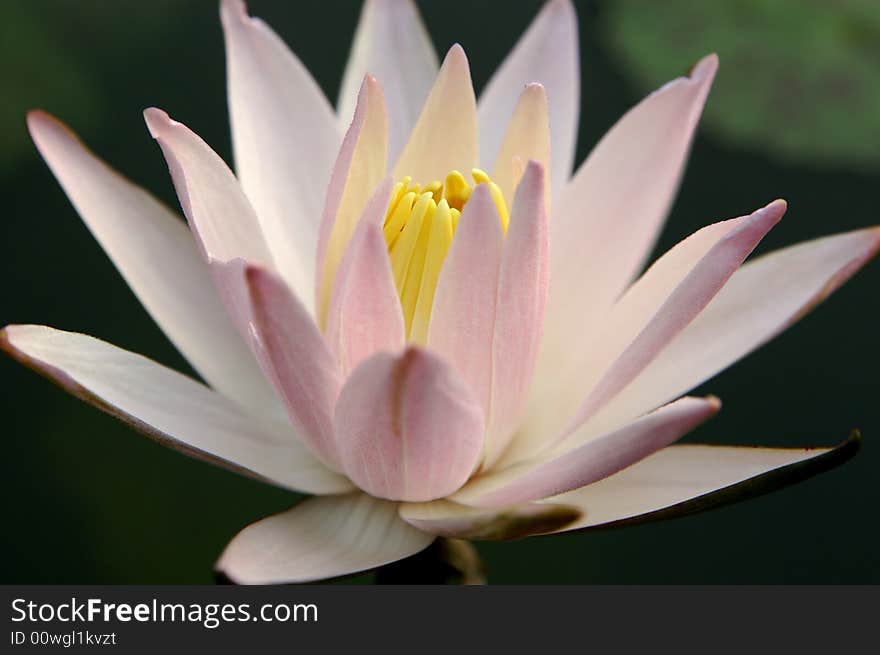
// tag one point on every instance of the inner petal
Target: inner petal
(419, 227)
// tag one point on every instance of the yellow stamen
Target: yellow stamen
(404, 248)
(397, 217)
(419, 226)
(481, 177)
(437, 246)
(457, 190)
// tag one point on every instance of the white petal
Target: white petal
(321, 538)
(546, 53)
(448, 519)
(686, 479)
(658, 306)
(760, 300)
(158, 258)
(606, 222)
(218, 212)
(170, 407)
(392, 45)
(285, 138)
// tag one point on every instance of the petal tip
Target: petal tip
(456, 57)
(40, 122)
(774, 211)
(233, 8)
(157, 120)
(39, 117)
(704, 70)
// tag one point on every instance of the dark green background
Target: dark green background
(88, 500)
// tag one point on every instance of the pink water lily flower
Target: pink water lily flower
(413, 310)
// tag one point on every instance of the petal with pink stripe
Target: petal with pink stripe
(407, 427)
(519, 314)
(295, 358)
(763, 298)
(360, 167)
(565, 469)
(365, 314)
(655, 309)
(463, 315)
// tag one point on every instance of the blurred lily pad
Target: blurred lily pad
(799, 79)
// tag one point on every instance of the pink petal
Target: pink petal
(463, 315)
(170, 408)
(599, 457)
(527, 138)
(365, 314)
(159, 260)
(761, 300)
(321, 538)
(285, 136)
(295, 358)
(407, 426)
(649, 315)
(519, 316)
(445, 136)
(686, 479)
(391, 43)
(215, 206)
(607, 220)
(546, 53)
(360, 167)
(666, 298)
(447, 519)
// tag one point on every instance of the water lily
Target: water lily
(411, 309)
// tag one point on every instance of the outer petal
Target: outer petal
(547, 53)
(687, 479)
(448, 519)
(664, 300)
(295, 358)
(607, 220)
(527, 138)
(218, 212)
(656, 308)
(408, 427)
(365, 314)
(360, 167)
(522, 296)
(390, 43)
(321, 538)
(445, 136)
(566, 469)
(463, 315)
(284, 134)
(158, 258)
(761, 300)
(169, 407)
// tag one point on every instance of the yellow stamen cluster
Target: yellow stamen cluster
(419, 227)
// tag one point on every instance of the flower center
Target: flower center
(419, 227)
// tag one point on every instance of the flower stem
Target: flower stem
(446, 561)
